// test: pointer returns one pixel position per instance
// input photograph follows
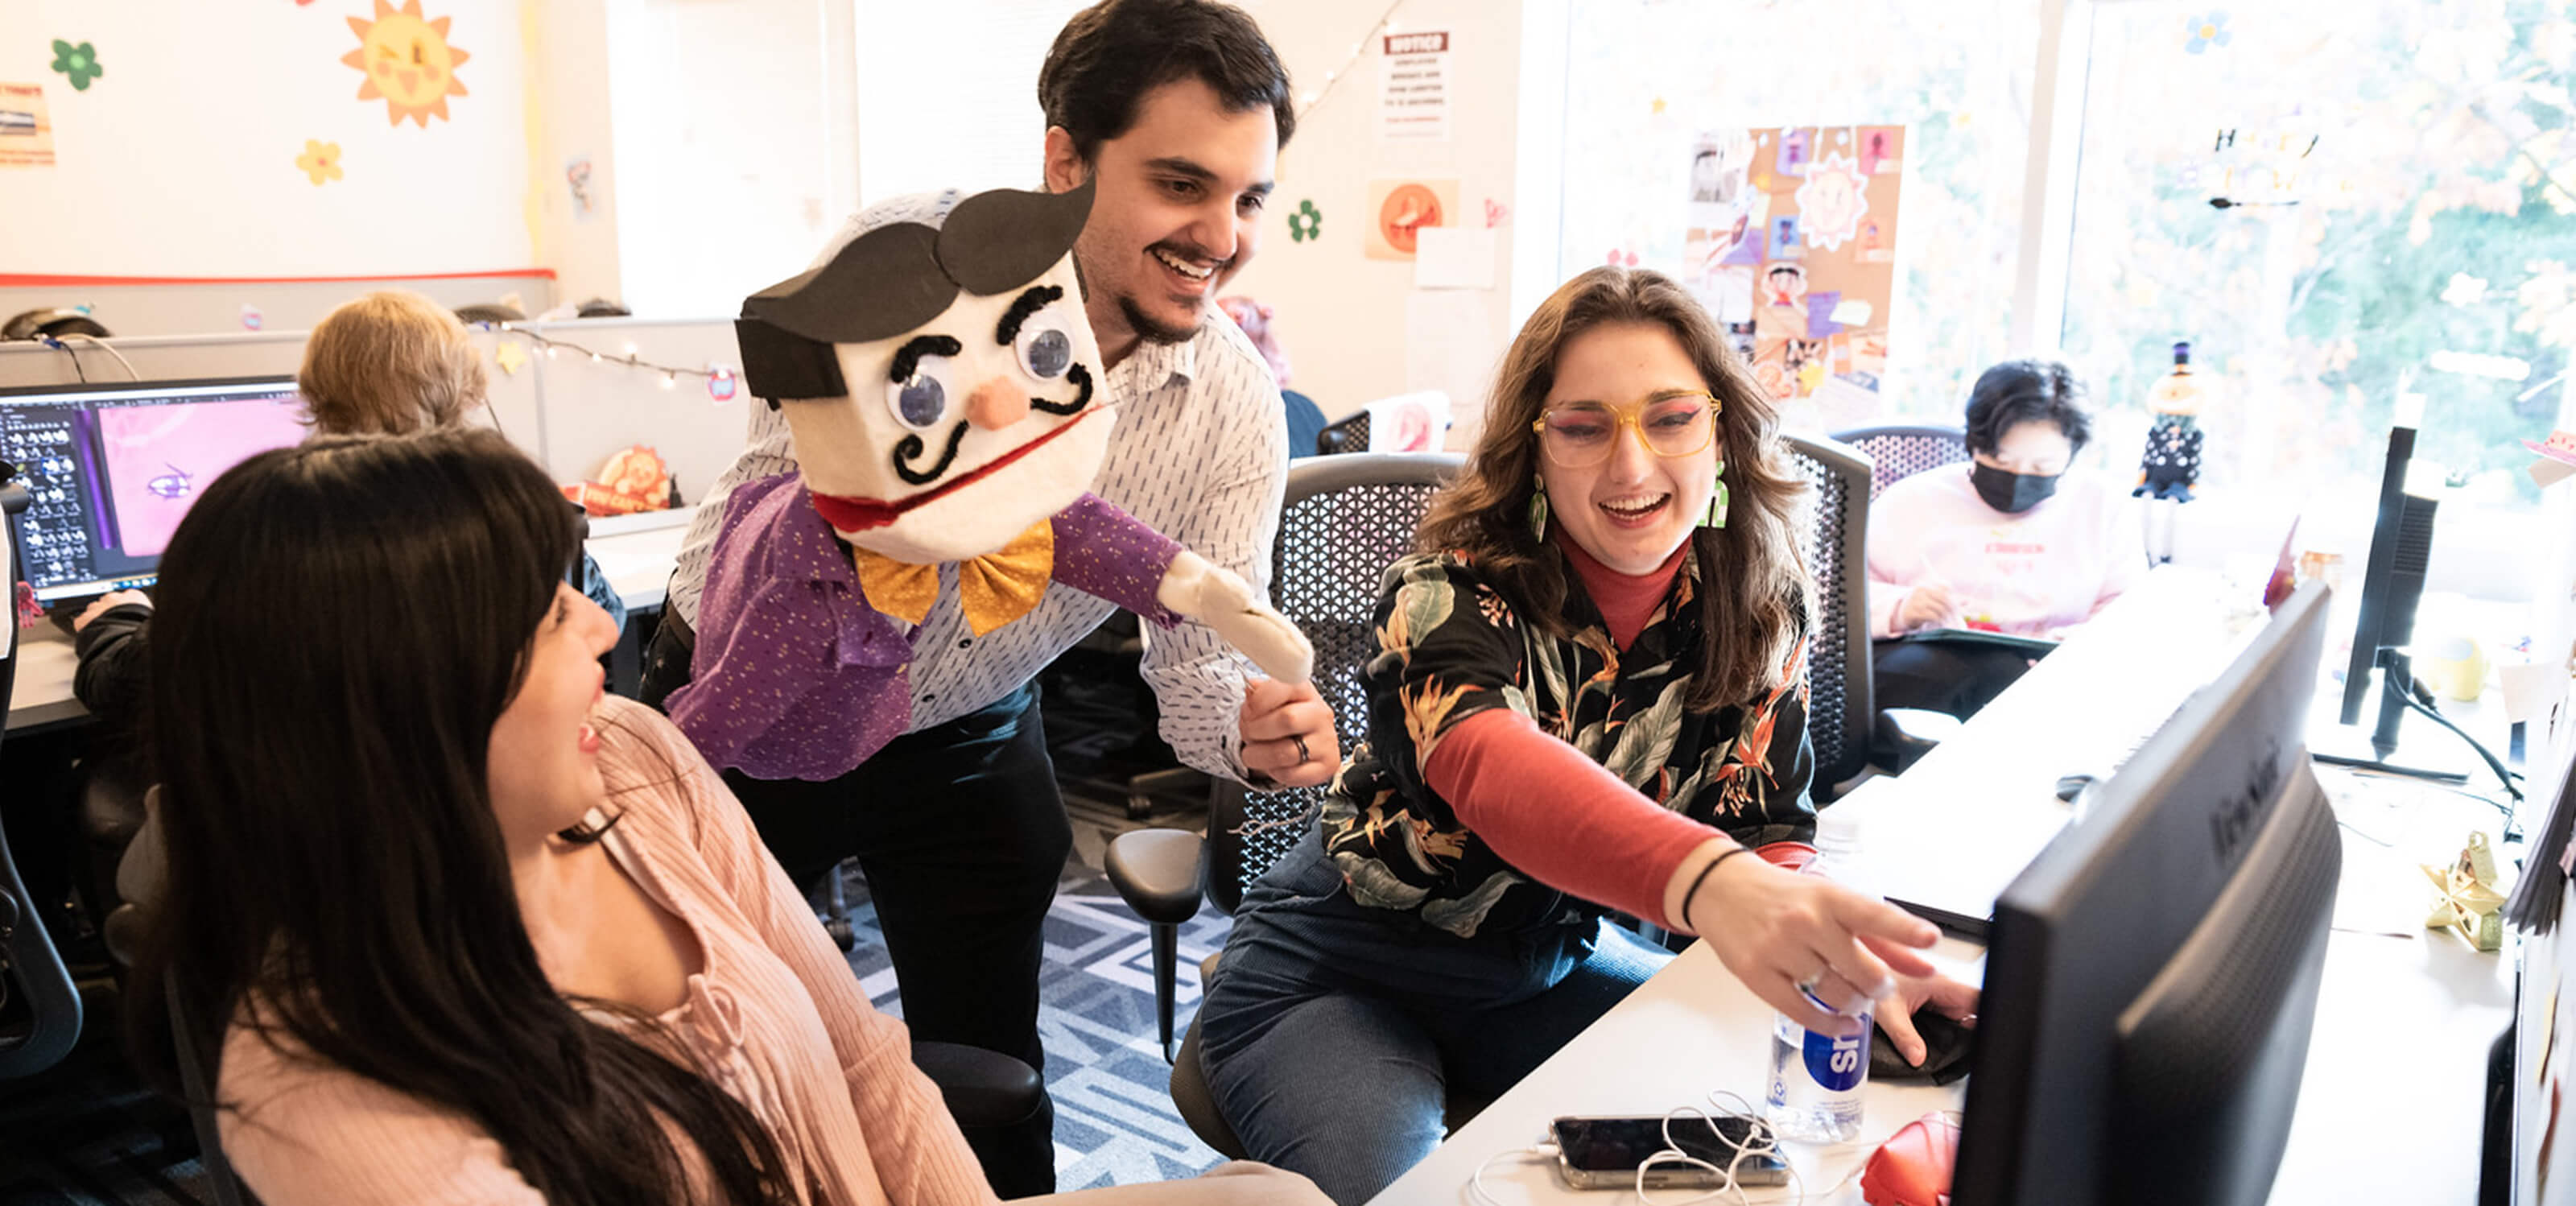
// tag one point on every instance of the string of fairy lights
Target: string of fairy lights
(1333, 79)
(555, 348)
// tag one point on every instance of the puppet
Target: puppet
(939, 383)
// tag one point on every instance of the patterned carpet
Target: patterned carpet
(88, 1133)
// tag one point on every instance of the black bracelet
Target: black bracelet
(1701, 878)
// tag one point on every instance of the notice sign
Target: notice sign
(26, 133)
(1413, 99)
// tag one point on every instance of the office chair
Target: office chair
(1840, 719)
(1350, 434)
(30, 968)
(1346, 519)
(1897, 452)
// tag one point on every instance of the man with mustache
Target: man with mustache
(1174, 112)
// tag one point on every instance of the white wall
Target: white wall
(948, 93)
(568, 118)
(732, 145)
(179, 161)
(1353, 327)
(725, 186)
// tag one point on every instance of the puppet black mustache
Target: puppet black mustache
(911, 447)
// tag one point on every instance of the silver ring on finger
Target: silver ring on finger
(1809, 985)
(1304, 755)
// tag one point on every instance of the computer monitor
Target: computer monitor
(2401, 549)
(110, 468)
(2153, 974)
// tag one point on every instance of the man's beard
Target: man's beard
(1150, 330)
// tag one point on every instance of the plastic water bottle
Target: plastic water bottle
(1816, 1079)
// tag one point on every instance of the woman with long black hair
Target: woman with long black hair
(461, 928)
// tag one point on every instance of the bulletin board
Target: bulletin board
(1790, 240)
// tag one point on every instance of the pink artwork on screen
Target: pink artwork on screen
(159, 458)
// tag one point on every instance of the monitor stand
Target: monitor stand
(2340, 745)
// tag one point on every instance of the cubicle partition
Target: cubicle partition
(568, 411)
(580, 410)
(131, 306)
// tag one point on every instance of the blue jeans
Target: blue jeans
(1334, 1033)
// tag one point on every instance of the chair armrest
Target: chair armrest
(1160, 873)
(982, 1088)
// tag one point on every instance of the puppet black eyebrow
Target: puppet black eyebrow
(1036, 299)
(908, 357)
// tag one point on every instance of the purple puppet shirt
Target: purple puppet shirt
(795, 676)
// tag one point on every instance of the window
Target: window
(1646, 80)
(2399, 182)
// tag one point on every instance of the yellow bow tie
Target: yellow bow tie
(994, 589)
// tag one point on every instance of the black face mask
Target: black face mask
(2011, 493)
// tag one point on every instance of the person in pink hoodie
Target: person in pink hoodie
(2012, 542)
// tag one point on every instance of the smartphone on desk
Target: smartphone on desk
(1603, 1153)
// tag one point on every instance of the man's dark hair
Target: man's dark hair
(2022, 391)
(1111, 54)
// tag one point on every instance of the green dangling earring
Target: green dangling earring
(1717, 501)
(1538, 510)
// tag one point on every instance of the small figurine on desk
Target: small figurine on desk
(938, 382)
(2469, 903)
(2170, 466)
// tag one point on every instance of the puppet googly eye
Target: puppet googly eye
(921, 400)
(1045, 349)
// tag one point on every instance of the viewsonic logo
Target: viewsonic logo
(2233, 822)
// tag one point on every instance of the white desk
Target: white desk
(1997, 778)
(637, 562)
(2390, 1106)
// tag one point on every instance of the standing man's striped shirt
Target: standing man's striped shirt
(1200, 453)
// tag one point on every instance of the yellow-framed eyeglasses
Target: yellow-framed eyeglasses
(1578, 435)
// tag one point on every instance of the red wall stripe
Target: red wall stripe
(23, 281)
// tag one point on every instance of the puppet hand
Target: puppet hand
(1214, 596)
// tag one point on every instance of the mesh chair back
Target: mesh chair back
(1897, 453)
(1839, 708)
(1346, 519)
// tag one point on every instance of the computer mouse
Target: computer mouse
(1946, 1045)
(1913, 1167)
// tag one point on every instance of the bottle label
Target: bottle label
(1838, 1064)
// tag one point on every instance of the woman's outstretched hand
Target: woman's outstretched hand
(1788, 936)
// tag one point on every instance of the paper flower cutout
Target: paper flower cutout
(79, 63)
(407, 61)
(1306, 223)
(2207, 32)
(1831, 201)
(320, 161)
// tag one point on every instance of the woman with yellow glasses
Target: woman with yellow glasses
(1590, 696)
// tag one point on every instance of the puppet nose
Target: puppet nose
(997, 404)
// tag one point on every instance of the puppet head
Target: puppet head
(939, 381)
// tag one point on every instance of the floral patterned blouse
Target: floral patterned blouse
(1450, 647)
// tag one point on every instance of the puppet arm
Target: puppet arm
(1215, 596)
(1102, 550)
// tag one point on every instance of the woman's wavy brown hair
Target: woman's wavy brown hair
(1752, 582)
